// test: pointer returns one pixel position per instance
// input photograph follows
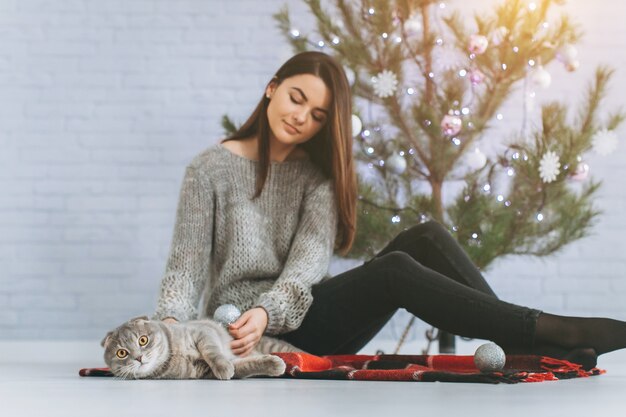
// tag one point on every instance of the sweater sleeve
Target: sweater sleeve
(186, 272)
(307, 262)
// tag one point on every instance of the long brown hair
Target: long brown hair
(330, 149)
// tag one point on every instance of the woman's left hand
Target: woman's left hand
(247, 331)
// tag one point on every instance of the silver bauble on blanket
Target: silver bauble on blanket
(226, 314)
(489, 358)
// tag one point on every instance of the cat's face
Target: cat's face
(135, 349)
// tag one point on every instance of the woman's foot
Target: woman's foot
(586, 357)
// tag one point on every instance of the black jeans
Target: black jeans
(425, 271)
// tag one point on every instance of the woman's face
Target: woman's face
(298, 108)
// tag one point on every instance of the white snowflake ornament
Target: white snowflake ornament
(604, 142)
(549, 167)
(385, 83)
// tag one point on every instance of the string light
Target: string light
(384, 35)
(371, 10)
(499, 116)
(500, 198)
(336, 40)
(487, 188)
(295, 33)
(465, 110)
(456, 141)
(510, 172)
(531, 62)
(532, 6)
(410, 91)
(462, 73)
(321, 44)
(395, 219)
(370, 150)
(539, 217)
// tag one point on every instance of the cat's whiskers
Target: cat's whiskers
(126, 371)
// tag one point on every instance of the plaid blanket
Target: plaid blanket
(424, 368)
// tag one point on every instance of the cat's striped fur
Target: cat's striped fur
(188, 350)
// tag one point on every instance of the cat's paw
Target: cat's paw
(276, 366)
(223, 370)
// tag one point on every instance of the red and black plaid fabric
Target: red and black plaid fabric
(424, 368)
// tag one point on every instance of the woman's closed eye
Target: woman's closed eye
(316, 118)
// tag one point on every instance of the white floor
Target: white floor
(41, 379)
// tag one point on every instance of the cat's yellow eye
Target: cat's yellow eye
(122, 353)
(143, 340)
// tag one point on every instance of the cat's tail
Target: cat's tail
(269, 344)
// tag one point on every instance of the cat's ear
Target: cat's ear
(106, 339)
(136, 319)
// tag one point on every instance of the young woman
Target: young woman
(261, 213)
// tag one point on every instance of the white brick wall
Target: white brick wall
(103, 104)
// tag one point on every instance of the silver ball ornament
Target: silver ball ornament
(489, 358)
(357, 125)
(413, 26)
(396, 164)
(350, 75)
(226, 314)
(541, 77)
(476, 160)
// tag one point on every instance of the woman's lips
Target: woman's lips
(290, 129)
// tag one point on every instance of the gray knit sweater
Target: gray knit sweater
(266, 252)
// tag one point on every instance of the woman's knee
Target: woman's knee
(396, 260)
(430, 228)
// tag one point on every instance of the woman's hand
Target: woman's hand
(247, 331)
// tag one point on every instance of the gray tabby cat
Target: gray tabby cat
(197, 349)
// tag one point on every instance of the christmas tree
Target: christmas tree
(428, 85)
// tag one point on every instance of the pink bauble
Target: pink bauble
(498, 35)
(451, 125)
(477, 44)
(476, 76)
(581, 173)
(572, 65)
